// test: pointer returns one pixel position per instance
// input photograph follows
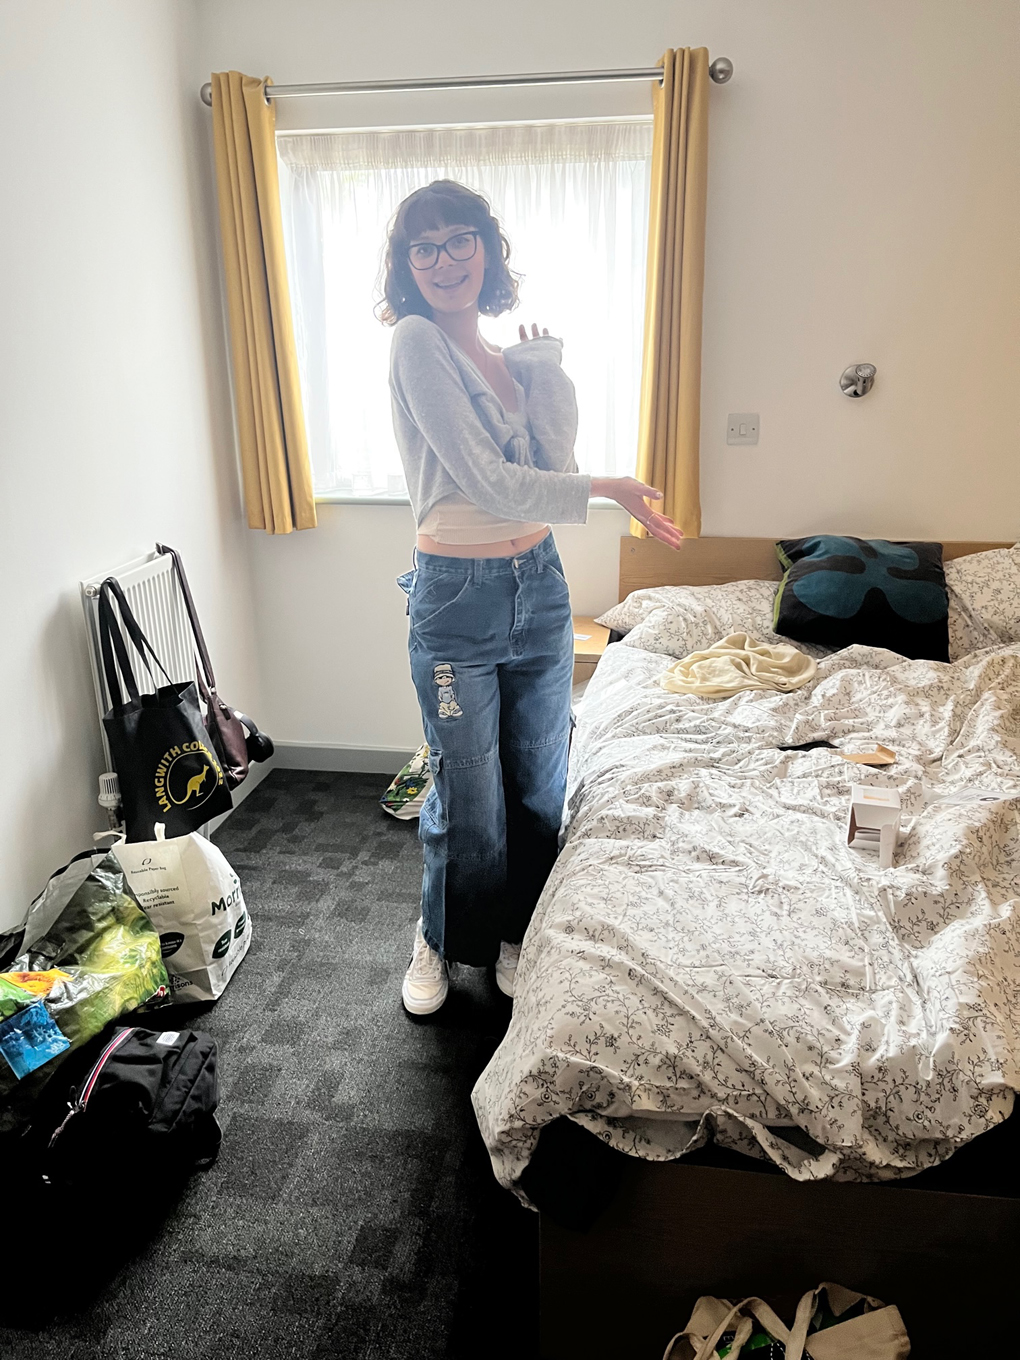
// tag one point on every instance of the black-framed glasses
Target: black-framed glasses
(425, 254)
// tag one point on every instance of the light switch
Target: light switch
(742, 427)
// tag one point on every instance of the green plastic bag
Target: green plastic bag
(85, 924)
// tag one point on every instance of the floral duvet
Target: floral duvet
(710, 955)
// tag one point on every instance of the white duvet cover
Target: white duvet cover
(710, 954)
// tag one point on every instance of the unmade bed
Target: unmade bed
(710, 961)
(710, 952)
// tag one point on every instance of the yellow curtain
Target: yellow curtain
(670, 412)
(271, 426)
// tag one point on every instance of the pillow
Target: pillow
(639, 604)
(838, 591)
(988, 585)
(967, 632)
(678, 620)
(734, 607)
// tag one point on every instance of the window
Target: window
(573, 199)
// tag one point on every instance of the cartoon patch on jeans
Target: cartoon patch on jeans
(448, 705)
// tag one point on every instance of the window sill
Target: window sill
(335, 498)
(338, 498)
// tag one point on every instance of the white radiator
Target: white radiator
(157, 603)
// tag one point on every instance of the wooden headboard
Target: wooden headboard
(712, 561)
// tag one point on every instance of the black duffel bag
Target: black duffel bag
(148, 1094)
(166, 766)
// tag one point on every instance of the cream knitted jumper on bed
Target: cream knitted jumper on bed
(456, 439)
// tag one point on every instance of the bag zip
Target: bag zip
(77, 1106)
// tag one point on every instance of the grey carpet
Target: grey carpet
(352, 1212)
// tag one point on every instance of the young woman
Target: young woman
(487, 441)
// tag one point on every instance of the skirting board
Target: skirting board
(301, 755)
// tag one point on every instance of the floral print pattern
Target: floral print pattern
(988, 585)
(710, 955)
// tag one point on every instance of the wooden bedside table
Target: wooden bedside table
(590, 640)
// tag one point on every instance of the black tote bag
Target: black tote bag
(164, 758)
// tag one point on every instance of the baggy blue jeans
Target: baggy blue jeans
(492, 653)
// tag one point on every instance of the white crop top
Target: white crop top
(456, 520)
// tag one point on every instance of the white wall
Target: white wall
(114, 421)
(863, 206)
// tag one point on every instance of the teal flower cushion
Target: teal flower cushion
(839, 590)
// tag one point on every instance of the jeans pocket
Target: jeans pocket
(406, 581)
(434, 595)
(555, 568)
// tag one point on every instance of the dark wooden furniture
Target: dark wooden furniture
(675, 1231)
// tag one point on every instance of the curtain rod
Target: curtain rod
(720, 70)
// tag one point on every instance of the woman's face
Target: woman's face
(448, 285)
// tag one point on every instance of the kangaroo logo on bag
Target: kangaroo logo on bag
(187, 776)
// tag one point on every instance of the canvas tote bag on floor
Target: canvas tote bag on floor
(876, 1333)
(161, 750)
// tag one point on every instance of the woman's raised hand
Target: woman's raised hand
(634, 497)
(534, 331)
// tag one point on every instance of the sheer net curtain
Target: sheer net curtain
(573, 198)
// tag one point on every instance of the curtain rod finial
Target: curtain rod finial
(206, 93)
(721, 70)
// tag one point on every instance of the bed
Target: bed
(760, 1019)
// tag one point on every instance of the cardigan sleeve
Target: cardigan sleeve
(428, 388)
(551, 400)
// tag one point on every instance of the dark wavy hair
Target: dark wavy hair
(444, 203)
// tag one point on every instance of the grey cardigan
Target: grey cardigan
(455, 437)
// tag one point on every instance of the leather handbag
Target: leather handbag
(236, 739)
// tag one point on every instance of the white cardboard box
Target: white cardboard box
(874, 822)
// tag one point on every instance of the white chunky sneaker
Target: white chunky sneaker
(506, 967)
(425, 982)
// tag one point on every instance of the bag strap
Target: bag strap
(111, 639)
(741, 1314)
(196, 627)
(706, 1348)
(742, 1333)
(795, 1337)
(141, 643)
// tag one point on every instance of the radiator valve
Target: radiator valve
(109, 797)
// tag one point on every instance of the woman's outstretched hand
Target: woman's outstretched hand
(534, 331)
(634, 497)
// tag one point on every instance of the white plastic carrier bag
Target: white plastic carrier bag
(193, 899)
